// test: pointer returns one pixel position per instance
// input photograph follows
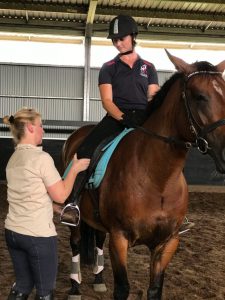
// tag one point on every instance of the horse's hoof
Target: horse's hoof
(74, 297)
(100, 287)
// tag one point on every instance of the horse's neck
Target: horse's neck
(152, 161)
(169, 157)
(169, 120)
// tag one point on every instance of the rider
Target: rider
(126, 84)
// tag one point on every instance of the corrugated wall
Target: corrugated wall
(96, 109)
(57, 92)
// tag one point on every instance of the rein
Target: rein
(200, 142)
(168, 140)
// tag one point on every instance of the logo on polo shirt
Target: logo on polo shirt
(143, 70)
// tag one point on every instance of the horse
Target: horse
(143, 197)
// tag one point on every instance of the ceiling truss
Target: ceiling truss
(187, 21)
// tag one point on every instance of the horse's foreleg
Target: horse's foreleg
(118, 247)
(160, 258)
(75, 275)
(99, 284)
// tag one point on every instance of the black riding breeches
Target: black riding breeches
(107, 127)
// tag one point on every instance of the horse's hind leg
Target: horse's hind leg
(99, 284)
(160, 258)
(118, 247)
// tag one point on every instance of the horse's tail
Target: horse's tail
(87, 244)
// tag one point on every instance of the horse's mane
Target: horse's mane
(161, 94)
(159, 97)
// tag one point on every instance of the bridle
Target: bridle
(199, 132)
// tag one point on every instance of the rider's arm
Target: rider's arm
(152, 90)
(153, 81)
(61, 190)
(107, 102)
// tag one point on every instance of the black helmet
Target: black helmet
(121, 26)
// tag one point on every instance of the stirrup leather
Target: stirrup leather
(71, 206)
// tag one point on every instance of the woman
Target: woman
(33, 183)
(126, 84)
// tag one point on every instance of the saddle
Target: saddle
(90, 179)
(100, 159)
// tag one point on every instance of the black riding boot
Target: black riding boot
(79, 185)
(48, 297)
(70, 215)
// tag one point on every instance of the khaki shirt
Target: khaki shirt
(29, 171)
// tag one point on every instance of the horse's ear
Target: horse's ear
(180, 64)
(221, 66)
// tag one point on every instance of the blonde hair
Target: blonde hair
(18, 121)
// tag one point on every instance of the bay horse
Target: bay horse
(143, 197)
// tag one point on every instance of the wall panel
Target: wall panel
(55, 91)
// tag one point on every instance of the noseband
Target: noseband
(200, 132)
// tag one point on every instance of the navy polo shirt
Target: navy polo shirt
(129, 85)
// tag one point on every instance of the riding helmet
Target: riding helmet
(121, 26)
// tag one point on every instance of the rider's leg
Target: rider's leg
(107, 127)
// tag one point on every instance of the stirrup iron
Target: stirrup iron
(186, 226)
(74, 207)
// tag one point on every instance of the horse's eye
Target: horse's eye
(201, 97)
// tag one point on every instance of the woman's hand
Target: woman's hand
(61, 190)
(80, 164)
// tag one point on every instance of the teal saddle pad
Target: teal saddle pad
(99, 172)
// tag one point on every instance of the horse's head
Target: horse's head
(204, 98)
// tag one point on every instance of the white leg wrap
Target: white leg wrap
(99, 261)
(75, 269)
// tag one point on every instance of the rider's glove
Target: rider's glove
(128, 120)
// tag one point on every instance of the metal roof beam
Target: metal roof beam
(90, 17)
(193, 1)
(197, 35)
(153, 33)
(43, 7)
(11, 8)
(164, 14)
(87, 44)
(181, 37)
(75, 8)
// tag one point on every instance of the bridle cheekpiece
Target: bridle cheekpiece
(200, 132)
